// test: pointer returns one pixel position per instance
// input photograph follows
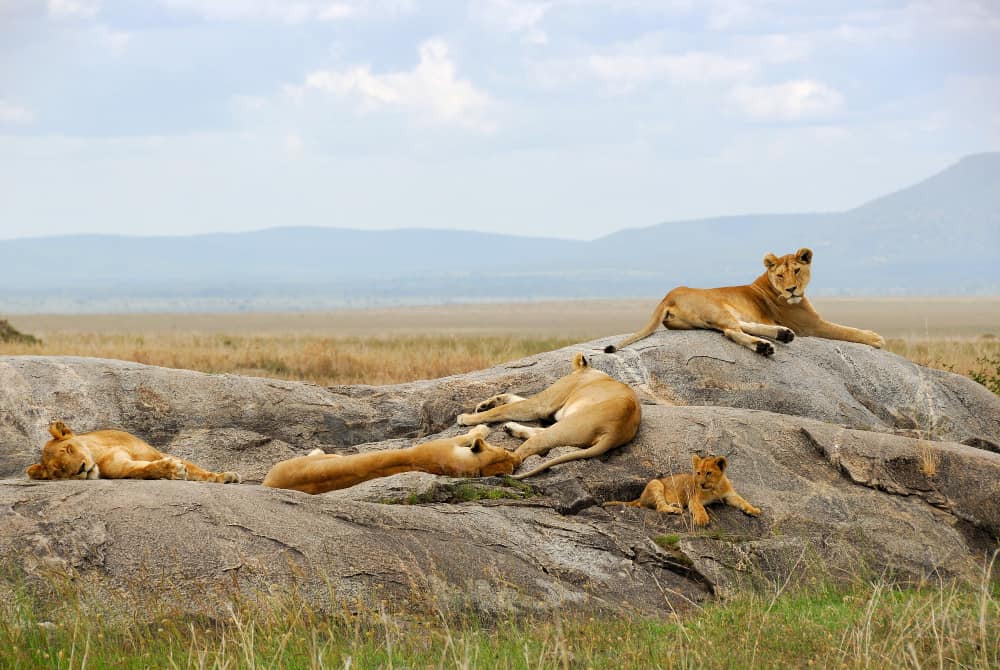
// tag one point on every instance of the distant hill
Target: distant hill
(940, 236)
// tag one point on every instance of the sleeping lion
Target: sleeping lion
(590, 409)
(113, 454)
(466, 455)
(773, 306)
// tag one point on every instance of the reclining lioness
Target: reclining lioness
(707, 484)
(112, 454)
(590, 409)
(774, 306)
(466, 455)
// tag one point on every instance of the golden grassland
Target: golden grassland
(402, 344)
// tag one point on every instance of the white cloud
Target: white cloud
(800, 99)
(11, 113)
(290, 11)
(431, 88)
(72, 9)
(630, 69)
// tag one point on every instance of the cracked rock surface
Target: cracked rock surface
(861, 461)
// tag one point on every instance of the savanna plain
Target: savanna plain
(862, 621)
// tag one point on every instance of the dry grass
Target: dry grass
(322, 360)
(386, 360)
(961, 355)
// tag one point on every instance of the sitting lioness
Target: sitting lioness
(707, 484)
(112, 454)
(467, 455)
(774, 306)
(590, 409)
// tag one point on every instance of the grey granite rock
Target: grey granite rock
(856, 457)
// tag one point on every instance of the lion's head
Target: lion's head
(789, 274)
(64, 457)
(494, 460)
(708, 471)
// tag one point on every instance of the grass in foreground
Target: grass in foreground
(388, 360)
(870, 625)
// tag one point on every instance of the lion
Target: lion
(113, 454)
(466, 455)
(707, 484)
(773, 306)
(590, 409)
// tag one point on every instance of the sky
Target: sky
(563, 118)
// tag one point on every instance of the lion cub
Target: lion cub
(707, 484)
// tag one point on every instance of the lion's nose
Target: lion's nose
(791, 290)
(83, 468)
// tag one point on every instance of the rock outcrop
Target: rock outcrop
(861, 461)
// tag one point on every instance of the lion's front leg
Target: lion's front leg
(497, 400)
(734, 499)
(167, 467)
(195, 473)
(833, 331)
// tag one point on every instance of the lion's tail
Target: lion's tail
(659, 314)
(625, 503)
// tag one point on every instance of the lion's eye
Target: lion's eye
(781, 275)
(797, 270)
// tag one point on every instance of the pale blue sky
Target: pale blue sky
(569, 118)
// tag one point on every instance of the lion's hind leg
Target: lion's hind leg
(528, 409)
(779, 333)
(655, 497)
(752, 343)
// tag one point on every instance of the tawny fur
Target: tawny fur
(591, 410)
(466, 455)
(112, 454)
(773, 306)
(707, 484)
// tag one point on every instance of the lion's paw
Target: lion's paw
(172, 468)
(701, 519)
(482, 430)
(752, 511)
(765, 348)
(464, 420)
(875, 339)
(786, 335)
(490, 403)
(669, 509)
(231, 478)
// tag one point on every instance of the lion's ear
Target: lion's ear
(770, 260)
(37, 471)
(580, 361)
(804, 255)
(478, 445)
(722, 462)
(695, 460)
(60, 430)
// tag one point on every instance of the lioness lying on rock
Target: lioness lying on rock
(112, 454)
(707, 484)
(590, 408)
(466, 455)
(774, 306)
